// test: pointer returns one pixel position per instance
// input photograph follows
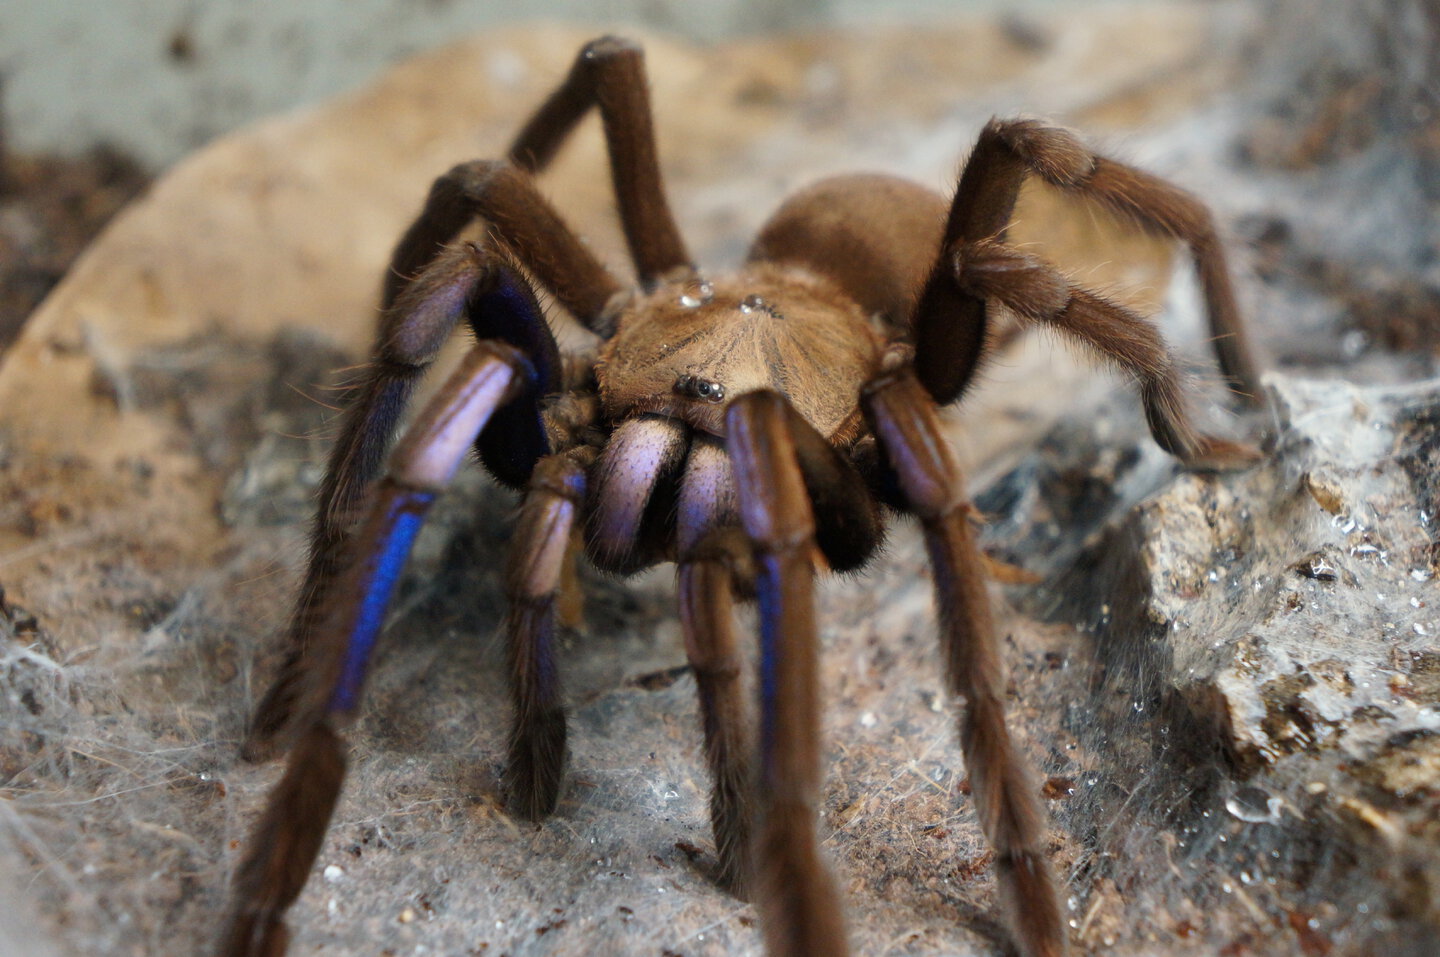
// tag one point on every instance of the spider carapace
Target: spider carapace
(750, 428)
(765, 328)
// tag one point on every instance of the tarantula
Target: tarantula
(750, 428)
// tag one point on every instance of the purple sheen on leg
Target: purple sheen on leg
(628, 471)
(380, 571)
(510, 312)
(768, 598)
(707, 494)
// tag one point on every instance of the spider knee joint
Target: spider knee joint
(1053, 152)
(473, 179)
(726, 548)
(560, 477)
(1024, 283)
(608, 47)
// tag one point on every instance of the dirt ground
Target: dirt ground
(51, 207)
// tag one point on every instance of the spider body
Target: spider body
(752, 429)
(766, 327)
(663, 479)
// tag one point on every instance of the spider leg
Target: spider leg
(902, 415)
(1036, 291)
(532, 580)
(1006, 152)
(610, 73)
(327, 684)
(505, 197)
(707, 579)
(713, 558)
(283, 847)
(796, 895)
(465, 280)
(714, 562)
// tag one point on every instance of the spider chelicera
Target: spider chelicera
(750, 428)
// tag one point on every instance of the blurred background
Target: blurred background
(157, 78)
(97, 98)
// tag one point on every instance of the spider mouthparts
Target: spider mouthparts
(696, 388)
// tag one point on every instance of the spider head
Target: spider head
(687, 348)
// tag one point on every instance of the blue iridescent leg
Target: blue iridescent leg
(283, 848)
(466, 282)
(800, 909)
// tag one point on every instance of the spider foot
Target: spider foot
(1213, 454)
(283, 848)
(256, 935)
(537, 764)
(730, 817)
(1026, 881)
(796, 895)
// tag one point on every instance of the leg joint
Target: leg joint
(471, 180)
(603, 49)
(902, 416)
(560, 477)
(1054, 153)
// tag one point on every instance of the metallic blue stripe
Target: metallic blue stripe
(382, 571)
(768, 597)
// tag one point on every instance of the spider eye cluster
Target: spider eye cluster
(696, 388)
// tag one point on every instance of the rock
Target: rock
(1266, 643)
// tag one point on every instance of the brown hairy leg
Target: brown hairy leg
(903, 418)
(533, 578)
(706, 583)
(713, 557)
(1037, 292)
(1006, 152)
(609, 73)
(505, 197)
(283, 847)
